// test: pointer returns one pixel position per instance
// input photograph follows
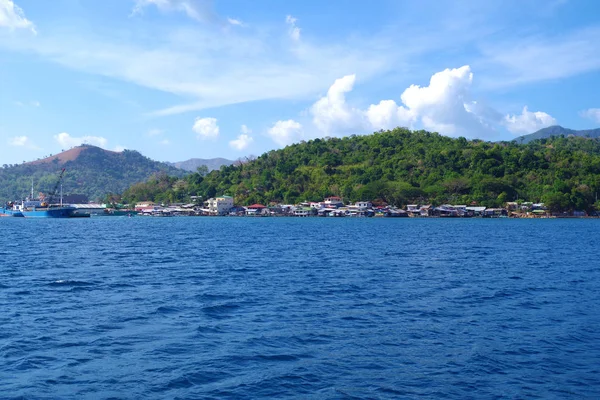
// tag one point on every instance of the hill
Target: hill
(557, 131)
(90, 170)
(403, 167)
(193, 163)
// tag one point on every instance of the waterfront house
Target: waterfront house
(363, 204)
(219, 205)
(333, 201)
(257, 209)
(303, 212)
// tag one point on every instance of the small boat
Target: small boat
(10, 211)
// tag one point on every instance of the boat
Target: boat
(40, 208)
(9, 210)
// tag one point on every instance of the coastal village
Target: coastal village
(332, 206)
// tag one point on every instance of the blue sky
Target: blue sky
(176, 79)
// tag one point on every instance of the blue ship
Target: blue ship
(37, 209)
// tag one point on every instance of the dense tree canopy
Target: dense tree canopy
(402, 167)
(95, 172)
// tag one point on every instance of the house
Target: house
(256, 209)
(476, 211)
(495, 212)
(333, 201)
(363, 204)
(144, 205)
(302, 212)
(219, 205)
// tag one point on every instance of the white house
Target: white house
(219, 205)
(364, 204)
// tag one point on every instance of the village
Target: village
(334, 206)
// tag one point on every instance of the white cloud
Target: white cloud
(241, 142)
(13, 17)
(206, 128)
(154, 132)
(67, 141)
(119, 148)
(294, 30)
(540, 57)
(234, 21)
(33, 103)
(245, 130)
(286, 132)
(441, 105)
(591, 113)
(528, 122)
(331, 114)
(444, 106)
(388, 115)
(200, 10)
(19, 141)
(208, 66)
(165, 142)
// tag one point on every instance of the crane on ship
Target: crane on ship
(53, 192)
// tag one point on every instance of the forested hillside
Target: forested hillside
(557, 131)
(402, 167)
(90, 170)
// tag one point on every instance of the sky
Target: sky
(180, 79)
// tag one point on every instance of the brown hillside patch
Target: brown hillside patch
(69, 155)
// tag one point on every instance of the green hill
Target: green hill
(90, 170)
(193, 163)
(402, 167)
(557, 131)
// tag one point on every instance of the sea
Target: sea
(299, 308)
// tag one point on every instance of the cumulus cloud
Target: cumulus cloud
(445, 106)
(18, 141)
(241, 142)
(294, 30)
(388, 115)
(206, 128)
(286, 132)
(67, 141)
(528, 121)
(591, 113)
(13, 17)
(331, 113)
(119, 148)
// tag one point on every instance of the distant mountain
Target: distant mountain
(90, 170)
(193, 164)
(557, 130)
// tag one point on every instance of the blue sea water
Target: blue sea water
(250, 308)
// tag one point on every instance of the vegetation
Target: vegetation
(93, 172)
(401, 167)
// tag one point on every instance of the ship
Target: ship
(39, 208)
(9, 210)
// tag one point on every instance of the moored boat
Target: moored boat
(37, 209)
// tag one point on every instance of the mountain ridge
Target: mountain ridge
(193, 163)
(557, 130)
(90, 170)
